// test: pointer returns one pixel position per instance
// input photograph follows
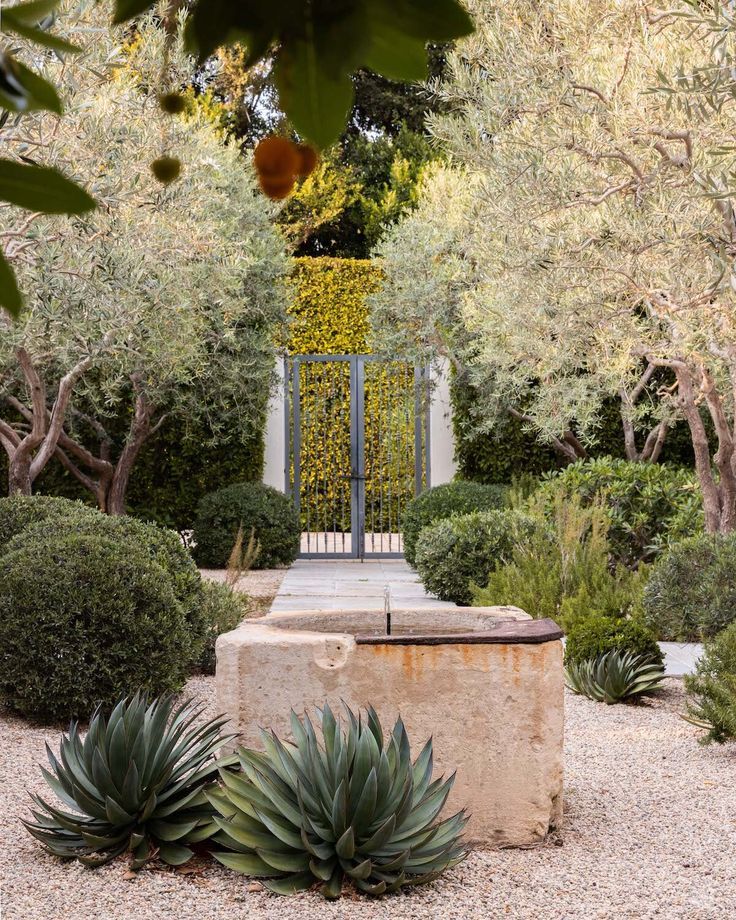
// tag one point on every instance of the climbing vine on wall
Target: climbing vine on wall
(329, 316)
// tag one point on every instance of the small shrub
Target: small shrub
(19, 511)
(598, 635)
(712, 688)
(84, 619)
(136, 783)
(268, 514)
(643, 501)
(691, 593)
(454, 554)
(561, 570)
(614, 676)
(442, 502)
(373, 823)
(163, 546)
(222, 610)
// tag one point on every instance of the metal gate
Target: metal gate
(357, 443)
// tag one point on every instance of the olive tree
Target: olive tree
(167, 299)
(601, 233)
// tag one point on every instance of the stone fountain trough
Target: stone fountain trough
(485, 682)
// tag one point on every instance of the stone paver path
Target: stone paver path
(348, 584)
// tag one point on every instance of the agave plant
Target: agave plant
(613, 676)
(352, 807)
(135, 783)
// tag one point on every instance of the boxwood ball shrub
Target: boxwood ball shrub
(594, 637)
(18, 511)
(691, 593)
(163, 546)
(84, 619)
(442, 502)
(454, 554)
(258, 508)
(645, 501)
(712, 688)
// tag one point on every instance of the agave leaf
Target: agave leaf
(174, 854)
(286, 862)
(281, 829)
(333, 888)
(322, 868)
(345, 846)
(252, 838)
(291, 884)
(362, 870)
(117, 815)
(321, 851)
(170, 831)
(375, 890)
(247, 864)
(384, 833)
(422, 770)
(340, 807)
(366, 804)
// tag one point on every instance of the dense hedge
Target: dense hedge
(329, 315)
(499, 455)
(691, 593)
(85, 619)
(268, 514)
(445, 501)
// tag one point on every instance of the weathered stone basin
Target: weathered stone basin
(486, 683)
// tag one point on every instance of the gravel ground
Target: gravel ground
(260, 585)
(649, 831)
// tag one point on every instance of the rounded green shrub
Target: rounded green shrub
(712, 688)
(269, 514)
(19, 511)
(597, 635)
(644, 502)
(691, 593)
(222, 610)
(86, 618)
(442, 502)
(457, 553)
(163, 546)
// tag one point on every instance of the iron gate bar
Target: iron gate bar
(296, 420)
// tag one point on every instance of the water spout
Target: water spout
(387, 608)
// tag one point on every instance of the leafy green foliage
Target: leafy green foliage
(84, 619)
(269, 514)
(22, 90)
(164, 548)
(20, 511)
(444, 501)
(134, 784)
(614, 676)
(222, 610)
(561, 570)
(454, 554)
(691, 592)
(318, 45)
(712, 688)
(642, 501)
(598, 635)
(351, 808)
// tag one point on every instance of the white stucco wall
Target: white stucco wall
(274, 460)
(442, 464)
